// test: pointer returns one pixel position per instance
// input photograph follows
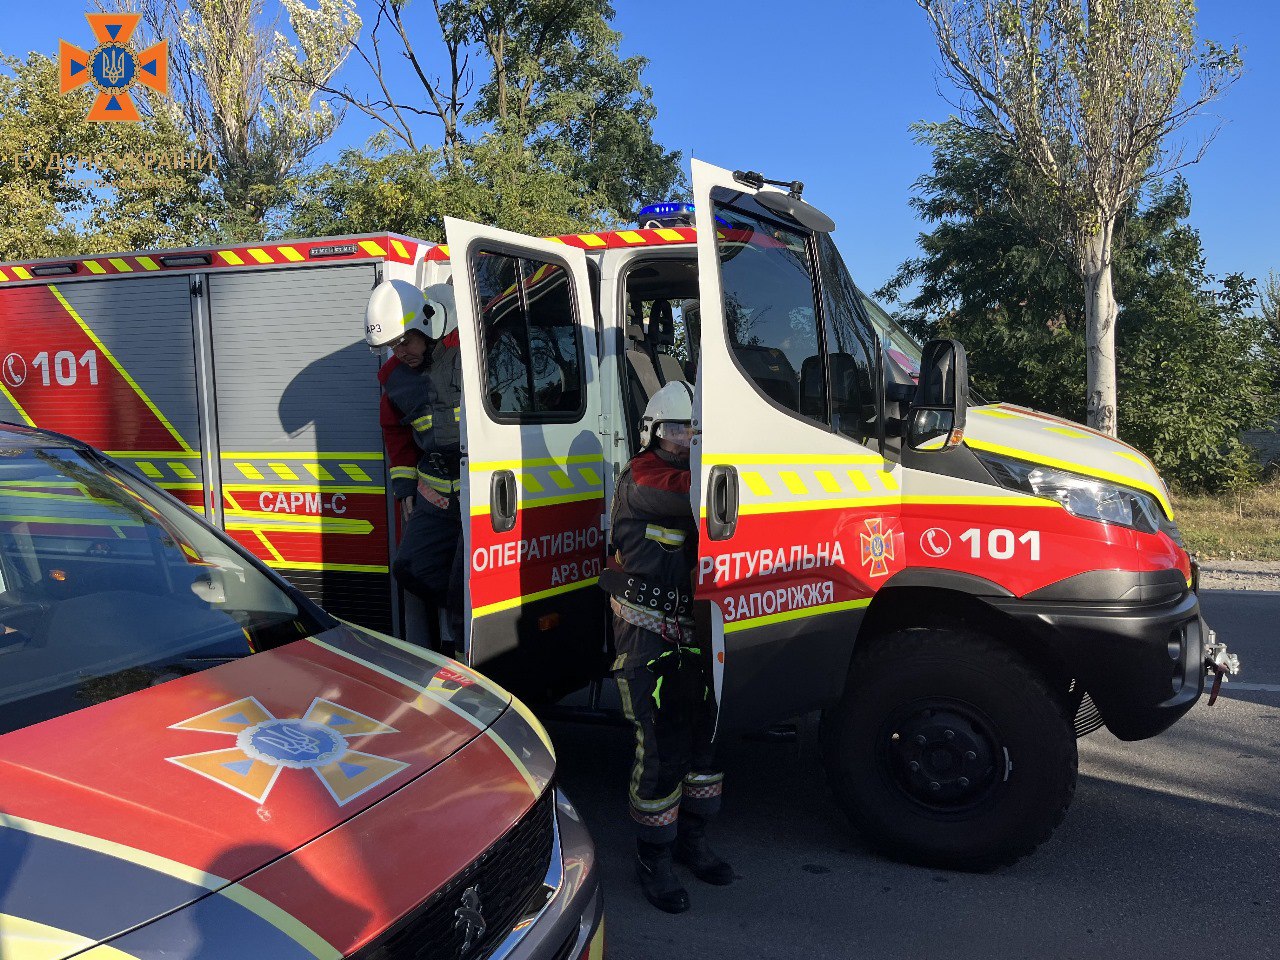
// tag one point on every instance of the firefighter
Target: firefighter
(662, 673)
(420, 417)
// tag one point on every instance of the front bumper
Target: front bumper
(1142, 663)
(571, 924)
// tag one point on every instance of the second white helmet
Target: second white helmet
(672, 406)
(441, 314)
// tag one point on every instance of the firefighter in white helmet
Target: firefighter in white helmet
(421, 422)
(662, 672)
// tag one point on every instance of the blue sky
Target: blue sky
(825, 92)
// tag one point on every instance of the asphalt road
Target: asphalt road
(1171, 848)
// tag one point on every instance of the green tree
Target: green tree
(555, 102)
(1086, 94)
(234, 80)
(412, 191)
(1195, 368)
(65, 184)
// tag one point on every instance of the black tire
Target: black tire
(994, 754)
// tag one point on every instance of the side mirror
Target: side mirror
(937, 417)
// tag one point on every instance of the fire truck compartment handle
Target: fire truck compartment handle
(502, 501)
(722, 502)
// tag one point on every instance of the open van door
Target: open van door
(799, 512)
(533, 499)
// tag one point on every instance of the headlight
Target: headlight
(1082, 496)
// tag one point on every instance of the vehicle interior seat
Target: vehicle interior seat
(662, 335)
(642, 379)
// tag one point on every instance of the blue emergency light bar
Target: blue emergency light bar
(668, 209)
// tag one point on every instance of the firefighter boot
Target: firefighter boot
(658, 877)
(693, 852)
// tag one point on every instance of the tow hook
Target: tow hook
(1219, 663)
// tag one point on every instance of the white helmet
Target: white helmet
(671, 411)
(395, 307)
(442, 315)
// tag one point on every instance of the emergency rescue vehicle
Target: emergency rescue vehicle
(197, 761)
(964, 587)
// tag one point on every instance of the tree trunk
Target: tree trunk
(1100, 329)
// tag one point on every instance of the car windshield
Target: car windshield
(107, 587)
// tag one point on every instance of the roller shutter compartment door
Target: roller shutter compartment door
(112, 363)
(303, 481)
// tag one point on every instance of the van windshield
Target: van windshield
(107, 587)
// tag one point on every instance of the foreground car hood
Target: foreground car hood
(130, 809)
(1014, 431)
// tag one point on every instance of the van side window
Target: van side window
(851, 347)
(531, 339)
(767, 274)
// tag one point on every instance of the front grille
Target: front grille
(507, 878)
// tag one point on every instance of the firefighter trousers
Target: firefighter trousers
(429, 559)
(666, 694)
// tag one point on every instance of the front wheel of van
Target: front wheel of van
(949, 749)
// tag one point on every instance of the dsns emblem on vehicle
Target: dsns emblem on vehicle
(469, 918)
(877, 547)
(265, 745)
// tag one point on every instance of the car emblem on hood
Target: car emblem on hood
(265, 745)
(469, 918)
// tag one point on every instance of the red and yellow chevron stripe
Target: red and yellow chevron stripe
(323, 250)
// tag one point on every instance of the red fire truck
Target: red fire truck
(964, 587)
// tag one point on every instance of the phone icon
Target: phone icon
(936, 542)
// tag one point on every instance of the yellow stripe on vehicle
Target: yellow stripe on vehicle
(22, 939)
(354, 472)
(327, 566)
(560, 479)
(283, 471)
(788, 459)
(629, 236)
(231, 257)
(481, 509)
(860, 480)
(755, 483)
(148, 264)
(260, 255)
(317, 471)
(133, 384)
(1088, 471)
(372, 248)
(591, 240)
(290, 254)
(888, 479)
(249, 470)
(285, 922)
(514, 602)
(737, 625)
(150, 470)
(120, 265)
(478, 465)
(791, 480)
(182, 470)
(285, 455)
(95, 267)
(827, 480)
(268, 544)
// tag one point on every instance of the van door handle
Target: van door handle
(502, 501)
(722, 502)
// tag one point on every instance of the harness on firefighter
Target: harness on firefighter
(648, 597)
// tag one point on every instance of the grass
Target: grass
(1232, 526)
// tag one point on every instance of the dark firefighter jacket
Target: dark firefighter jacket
(420, 417)
(653, 531)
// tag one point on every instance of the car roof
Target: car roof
(16, 436)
